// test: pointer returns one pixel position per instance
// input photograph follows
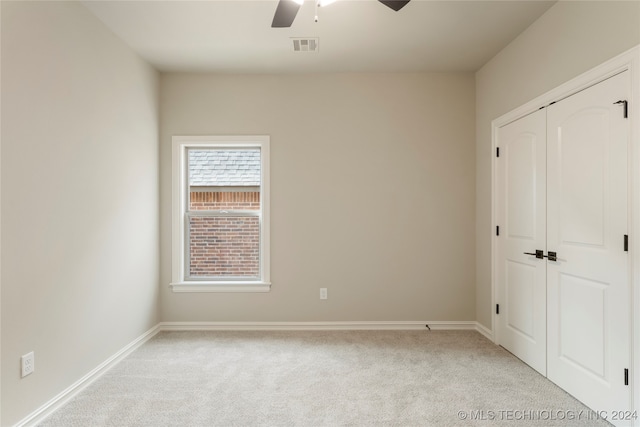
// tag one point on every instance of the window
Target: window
(220, 236)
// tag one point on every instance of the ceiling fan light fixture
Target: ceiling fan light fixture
(287, 10)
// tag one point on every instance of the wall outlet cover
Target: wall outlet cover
(28, 364)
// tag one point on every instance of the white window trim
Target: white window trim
(180, 144)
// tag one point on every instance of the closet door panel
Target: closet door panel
(522, 215)
(588, 284)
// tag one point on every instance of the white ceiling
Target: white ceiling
(235, 36)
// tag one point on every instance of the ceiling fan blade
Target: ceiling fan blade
(285, 14)
(395, 4)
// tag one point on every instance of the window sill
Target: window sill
(220, 287)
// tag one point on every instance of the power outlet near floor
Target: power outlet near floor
(323, 293)
(28, 364)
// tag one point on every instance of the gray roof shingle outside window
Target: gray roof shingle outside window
(215, 167)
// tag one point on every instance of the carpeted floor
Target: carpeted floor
(322, 378)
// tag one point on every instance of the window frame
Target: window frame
(179, 200)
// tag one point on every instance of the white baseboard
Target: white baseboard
(70, 392)
(323, 326)
(484, 331)
(65, 396)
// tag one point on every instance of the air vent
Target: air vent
(305, 44)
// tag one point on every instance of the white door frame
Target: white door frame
(629, 60)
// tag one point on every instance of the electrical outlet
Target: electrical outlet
(28, 364)
(323, 293)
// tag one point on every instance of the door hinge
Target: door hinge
(626, 107)
(497, 230)
(497, 151)
(497, 308)
(626, 376)
(626, 243)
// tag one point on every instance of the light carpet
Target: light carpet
(322, 378)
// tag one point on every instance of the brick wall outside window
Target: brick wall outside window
(217, 200)
(224, 246)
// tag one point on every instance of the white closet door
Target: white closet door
(521, 170)
(588, 298)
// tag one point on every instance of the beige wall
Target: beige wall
(372, 192)
(373, 182)
(569, 39)
(80, 198)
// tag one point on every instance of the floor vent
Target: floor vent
(305, 44)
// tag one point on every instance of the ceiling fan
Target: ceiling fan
(288, 9)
